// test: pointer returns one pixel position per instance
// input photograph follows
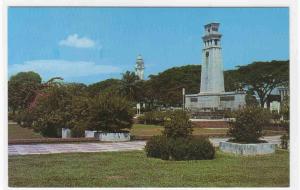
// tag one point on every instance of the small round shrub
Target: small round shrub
(47, 128)
(177, 143)
(178, 125)
(200, 149)
(190, 149)
(156, 147)
(248, 125)
(154, 117)
(284, 141)
(141, 119)
(178, 149)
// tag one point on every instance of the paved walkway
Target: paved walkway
(75, 147)
(96, 147)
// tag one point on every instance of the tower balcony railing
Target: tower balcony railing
(211, 46)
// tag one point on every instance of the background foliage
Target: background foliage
(50, 106)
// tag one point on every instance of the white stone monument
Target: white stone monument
(65, 133)
(212, 95)
(89, 134)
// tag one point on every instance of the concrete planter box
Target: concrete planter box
(65, 133)
(247, 149)
(103, 136)
(89, 134)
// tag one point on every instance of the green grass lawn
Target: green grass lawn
(150, 130)
(134, 169)
(17, 132)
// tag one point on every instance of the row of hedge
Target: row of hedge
(180, 148)
(177, 143)
(59, 107)
(154, 117)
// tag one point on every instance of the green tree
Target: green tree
(263, 77)
(60, 106)
(232, 80)
(53, 111)
(76, 89)
(79, 110)
(110, 113)
(166, 87)
(285, 108)
(128, 85)
(248, 125)
(140, 91)
(24, 117)
(22, 88)
(251, 100)
(112, 85)
(178, 125)
(285, 123)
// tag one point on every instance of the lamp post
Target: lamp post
(138, 109)
(183, 98)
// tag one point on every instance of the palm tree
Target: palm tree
(128, 85)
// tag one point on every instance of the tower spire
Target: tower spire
(139, 67)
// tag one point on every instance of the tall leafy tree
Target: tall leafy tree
(21, 89)
(59, 106)
(110, 113)
(166, 87)
(232, 80)
(77, 88)
(55, 81)
(263, 77)
(112, 85)
(128, 85)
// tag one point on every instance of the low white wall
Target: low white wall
(102, 136)
(247, 149)
(89, 134)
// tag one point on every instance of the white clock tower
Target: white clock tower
(212, 79)
(139, 67)
(212, 95)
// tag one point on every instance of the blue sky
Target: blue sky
(92, 44)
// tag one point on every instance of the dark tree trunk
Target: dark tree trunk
(262, 102)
